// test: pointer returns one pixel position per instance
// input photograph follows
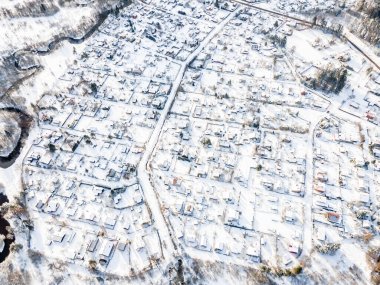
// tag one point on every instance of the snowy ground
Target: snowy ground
(194, 138)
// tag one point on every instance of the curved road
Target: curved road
(142, 171)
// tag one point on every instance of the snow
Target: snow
(209, 150)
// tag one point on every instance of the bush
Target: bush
(206, 142)
(35, 256)
(264, 268)
(15, 247)
(329, 248)
(297, 269)
(278, 271)
(361, 214)
(367, 237)
(92, 264)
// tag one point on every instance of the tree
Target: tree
(314, 20)
(206, 142)
(52, 147)
(323, 22)
(341, 80)
(330, 79)
(280, 41)
(94, 88)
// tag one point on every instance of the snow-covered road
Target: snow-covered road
(142, 172)
(308, 198)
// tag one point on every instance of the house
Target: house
(191, 237)
(158, 103)
(371, 116)
(58, 237)
(89, 216)
(232, 216)
(228, 197)
(137, 197)
(71, 143)
(203, 243)
(121, 246)
(255, 46)
(364, 198)
(201, 171)
(376, 152)
(294, 247)
(110, 221)
(320, 187)
(253, 252)
(322, 176)
(268, 185)
(224, 144)
(219, 247)
(46, 159)
(290, 215)
(39, 205)
(105, 251)
(145, 218)
(333, 217)
(366, 224)
(354, 105)
(92, 244)
(52, 207)
(188, 209)
(321, 234)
